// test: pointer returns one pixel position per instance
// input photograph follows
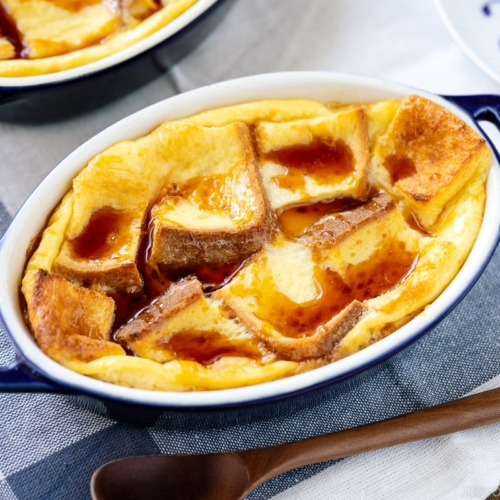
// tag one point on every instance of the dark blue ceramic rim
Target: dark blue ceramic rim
(22, 376)
(32, 90)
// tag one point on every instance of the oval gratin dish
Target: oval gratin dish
(35, 372)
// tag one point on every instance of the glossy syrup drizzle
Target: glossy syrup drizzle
(211, 276)
(325, 162)
(399, 167)
(414, 223)
(75, 5)
(206, 347)
(8, 29)
(106, 233)
(211, 192)
(295, 220)
(157, 282)
(154, 284)
(386, 268)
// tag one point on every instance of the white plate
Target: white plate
(475, 26)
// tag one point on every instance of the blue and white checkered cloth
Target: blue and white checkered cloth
(49, 447)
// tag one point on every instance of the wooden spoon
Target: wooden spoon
(233, 475)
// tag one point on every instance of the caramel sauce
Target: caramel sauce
(325, 162)
(154, 284)
(211, 193)
(295, 220)
(157, 282)
(206, 347)
(383, 271)
(106, 233)
(399, 167)
(301, 320)
(76, 5)
(414, 223)
(8, 29)
(129, 306)
(212, 276)
(108, 230)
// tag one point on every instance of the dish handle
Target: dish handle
(20, 378)
(480, 107)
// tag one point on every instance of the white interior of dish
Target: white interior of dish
(159, 36)
(314, 85)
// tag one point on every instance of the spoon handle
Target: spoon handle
(464, 413)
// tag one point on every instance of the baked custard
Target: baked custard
(254, 242)
(46, 36)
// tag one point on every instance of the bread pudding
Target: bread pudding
(46, 36)
(254, 242)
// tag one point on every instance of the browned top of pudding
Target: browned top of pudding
(254, 242)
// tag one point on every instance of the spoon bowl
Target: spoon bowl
(158, 477)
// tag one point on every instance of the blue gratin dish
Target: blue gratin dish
(33, 371)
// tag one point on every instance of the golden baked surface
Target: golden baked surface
(255, 242)
(46, 36)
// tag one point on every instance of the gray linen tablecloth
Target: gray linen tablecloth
(50, 447)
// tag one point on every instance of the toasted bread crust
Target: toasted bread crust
(70, 322)
(183, 249)
(107, 276)
(178, 246)
(183, 320)
(319, 344)
(175, 299)
(331, 230)
(427, 155)
(102, 254)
